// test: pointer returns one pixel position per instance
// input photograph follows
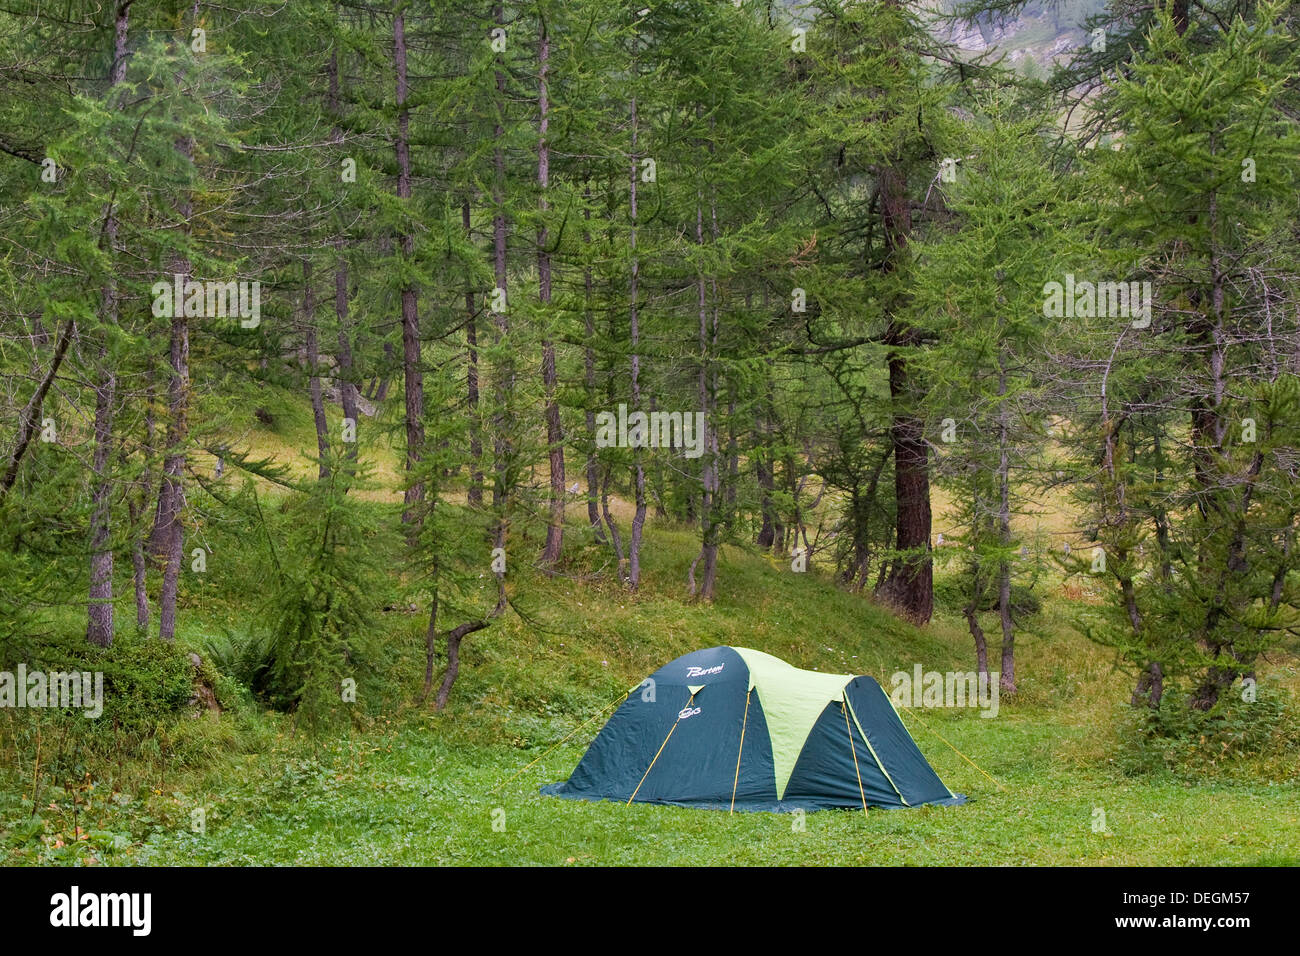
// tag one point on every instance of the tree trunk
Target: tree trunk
(99, 610)
(1178, 12)
(763, 472)
(1008, 677)
(708, 399)
(733, 460)
(554, 435)
(655, 477)
(172, 495)
(971, 611)
(1150, 686)
(347, 373)
(589, 382)
(313, 368)
(1208, 429)
(910, 584)
(412, 367)
(503, 450)
(174, 465)
(766, 463)
(99, 624)
(431, 641)
(615, 539)
(137, 507)
(454, 637)
(453, 669)
(634, 331)
(1213, 685)
(474, 495)
(31, 416)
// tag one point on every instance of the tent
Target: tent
(734, 728)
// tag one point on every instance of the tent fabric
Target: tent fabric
(909, 770)
(793, 701)
(830, 768)
(734, 728)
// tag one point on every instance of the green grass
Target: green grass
(405, 785)
(421, 788)
(421, 795)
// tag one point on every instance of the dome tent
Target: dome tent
(734, 728)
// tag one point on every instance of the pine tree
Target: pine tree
(1191, 421)
(979, 281)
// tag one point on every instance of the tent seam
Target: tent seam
(874, 756)
(915, 744)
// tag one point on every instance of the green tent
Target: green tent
(734, 728)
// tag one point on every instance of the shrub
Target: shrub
(1181, 739)
(321, 607)
(145, 680)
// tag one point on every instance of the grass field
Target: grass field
(422, 788)
(1053, 779)
(418, 797)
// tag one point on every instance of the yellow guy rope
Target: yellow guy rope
(955, 750)
(743, 721)
(570, 734)
(854, 750)
(659, 751)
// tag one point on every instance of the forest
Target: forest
(388, 385)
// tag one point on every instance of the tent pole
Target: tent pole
(659, 751)
(875, 756)
(854, 751)
(743, 722)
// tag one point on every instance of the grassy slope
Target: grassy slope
(417, 787)
(422, 788)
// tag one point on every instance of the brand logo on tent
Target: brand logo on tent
(704, 671)
(687, 712)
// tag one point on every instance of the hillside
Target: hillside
(1042, 34)
(406, 786)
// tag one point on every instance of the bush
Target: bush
(146, 680)
(321, 607)
(1175, 737)
(239, 659)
